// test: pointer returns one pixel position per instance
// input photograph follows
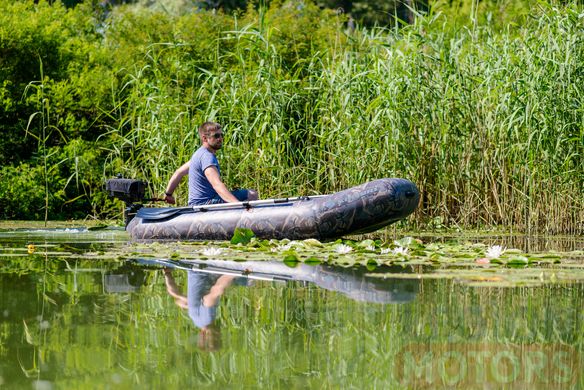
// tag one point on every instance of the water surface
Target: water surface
(89, 309)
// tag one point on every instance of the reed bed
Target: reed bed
(488, 123)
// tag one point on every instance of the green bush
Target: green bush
(21, 192)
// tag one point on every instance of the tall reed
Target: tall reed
(45, 130)
(487, 123)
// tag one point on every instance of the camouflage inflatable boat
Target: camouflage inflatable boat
(361, 209)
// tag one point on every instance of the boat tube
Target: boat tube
(361, 209)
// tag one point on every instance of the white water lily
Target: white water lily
(342, 248)
(385, 251)
(495, 251)
(370, 248)
(400, 250)
(212, 251)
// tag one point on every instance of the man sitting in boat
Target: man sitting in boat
(205, 184)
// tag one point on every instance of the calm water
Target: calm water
(70, 321)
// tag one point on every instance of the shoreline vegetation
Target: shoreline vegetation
(483, 110)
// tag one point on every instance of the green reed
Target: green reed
(488, 123)
(43, 119)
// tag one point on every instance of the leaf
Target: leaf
(28, 335)
(291, 263)
(366, 244)
(290, 256)
(312, 260)
(242, 236)
(311, 242)
(518, 260)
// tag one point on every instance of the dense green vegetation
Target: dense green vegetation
(479, 104)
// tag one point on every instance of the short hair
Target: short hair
(208, 128)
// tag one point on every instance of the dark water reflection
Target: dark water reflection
(68, 323)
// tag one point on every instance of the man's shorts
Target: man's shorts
(240, 194)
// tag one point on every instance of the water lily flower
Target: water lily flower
(400, 250)
(212, 251)
(342, 248)
(495, 251)
(370, 248)
(385, 251)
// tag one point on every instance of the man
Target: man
(205, 184)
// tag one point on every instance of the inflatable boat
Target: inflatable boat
(361, 209)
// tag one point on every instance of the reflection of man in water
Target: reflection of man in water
(203, 294)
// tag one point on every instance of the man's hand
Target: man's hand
(169, 199)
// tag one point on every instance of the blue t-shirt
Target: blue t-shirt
(200, 190)
(199, 285)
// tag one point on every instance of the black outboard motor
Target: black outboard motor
(131, 192)
(127, 190)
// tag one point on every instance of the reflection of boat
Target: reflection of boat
(352, 282)
(361, 209)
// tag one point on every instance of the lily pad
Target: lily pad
(518, 260)
(312, 260)
(242, 236)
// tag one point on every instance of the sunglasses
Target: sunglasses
(216, 135)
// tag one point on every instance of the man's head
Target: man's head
(209, 339)
(211, 135)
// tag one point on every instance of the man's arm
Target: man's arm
(217, 290)
(173, 290)
(212, 174)
(182, 171)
